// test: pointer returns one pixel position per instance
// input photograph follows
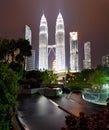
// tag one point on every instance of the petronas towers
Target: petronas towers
(43, 43)
(60, 43)
(59, 46)
(58, 60)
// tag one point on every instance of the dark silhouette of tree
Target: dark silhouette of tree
(14, 50)
(8, 95)
(25, 49)
(4, 50)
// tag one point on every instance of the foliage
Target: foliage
(17, 68)
(14, 50)
(77, 81)
(4, 49)
(8, 93)
(8, 80)
(97, 120)
(77, 85)
(24, 46)
(49, 77)
(37, 78)
(88, 78)
(37, 75)
(97, 79)
(104, 69)
(85, 74)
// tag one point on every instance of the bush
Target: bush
(8, 94)
(96, 121)
(74, 86)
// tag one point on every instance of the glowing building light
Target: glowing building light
(87, 56)
(74, 36)
(74, 64)
(105, 60)
(60, 43)
(54, 65)
(30, 61)
(43, 43)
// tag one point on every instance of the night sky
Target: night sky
(89, 17)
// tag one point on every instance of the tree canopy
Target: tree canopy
(8, 93)
(89, 78)
(12, 50)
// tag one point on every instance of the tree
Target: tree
(25, 49)
(4, 50)
(8, 95)
(24, 46)
(14, 50)
(85, 74)
(97, 79)
(50, 77)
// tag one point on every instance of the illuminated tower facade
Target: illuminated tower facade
(28, 33)
(60, 43)
(105, 60)
(87, 56)
(30, 61)
(43, 43)
(74, 64)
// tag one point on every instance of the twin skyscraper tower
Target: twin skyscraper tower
(59, 63)
(58, 48)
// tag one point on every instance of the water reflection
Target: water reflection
(40, 114)
(41, 106)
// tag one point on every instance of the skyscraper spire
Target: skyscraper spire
(60, 20)
(43, 43)
(60, 43)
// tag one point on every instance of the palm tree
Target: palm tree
(25, 48)
(4, 50)
(12, 47)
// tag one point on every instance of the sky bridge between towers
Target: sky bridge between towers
(51, 48)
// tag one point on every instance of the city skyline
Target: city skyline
(89, 18)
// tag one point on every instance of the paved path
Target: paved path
(75, 104)
(40, 113)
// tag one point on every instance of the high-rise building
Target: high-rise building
(30, 61)
(54, 65)
(87, 56)
(28, 33)
(105, 60)
(58, 48)
(60, 43)
(74, 65)
(43, 43)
